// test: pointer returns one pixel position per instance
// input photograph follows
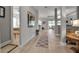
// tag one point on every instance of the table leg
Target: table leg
(77, 47)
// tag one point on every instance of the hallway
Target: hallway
(46, 42)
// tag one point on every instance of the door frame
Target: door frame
(12, 24)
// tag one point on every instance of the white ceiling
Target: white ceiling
(49, 11)
(45, 12)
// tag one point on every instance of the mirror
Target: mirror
(31, 19)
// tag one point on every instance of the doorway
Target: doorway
(51, 24)
(15, 25)
(11, 29)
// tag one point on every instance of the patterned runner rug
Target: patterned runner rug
(43, 42)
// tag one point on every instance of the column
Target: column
(77, 12)
(56, 27)
(63, 26)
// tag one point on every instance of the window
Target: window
(75, 23)
(39, 22)
(51, 23)
(58, 22)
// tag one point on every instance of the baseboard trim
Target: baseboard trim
(28, 41)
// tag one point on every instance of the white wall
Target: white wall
(5, 26)
(27, 33)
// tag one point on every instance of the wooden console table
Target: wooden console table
(75, 38)
(16, 31)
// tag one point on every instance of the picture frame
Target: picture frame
(31, 19)
(2, 11)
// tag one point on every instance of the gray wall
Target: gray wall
(5, 25)
(27, 33)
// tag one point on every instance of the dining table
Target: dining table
(75, 38)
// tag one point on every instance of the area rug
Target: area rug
(8, 48)
(42, 42)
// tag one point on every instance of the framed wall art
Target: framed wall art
(2, 11)
(31, 19)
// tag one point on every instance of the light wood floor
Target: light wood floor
(54, 44)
